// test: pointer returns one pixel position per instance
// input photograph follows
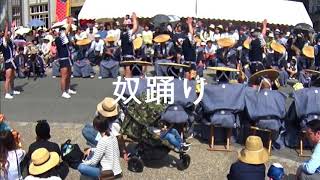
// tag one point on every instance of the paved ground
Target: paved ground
(41, 100)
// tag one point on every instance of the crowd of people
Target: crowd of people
(74, 51)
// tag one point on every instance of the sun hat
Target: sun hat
(110, 39)
(254, 152)
(308, 51)
(278, 47)
(276, 171)
(268, 73)
(226, 42)
(220, 27)
(271, 35)
(212, 26)
(137, 43)
(161, 38)
(42, 161)
(108, 107)
(83, 42)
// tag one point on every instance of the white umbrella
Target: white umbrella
(22, 30)
(58, 24)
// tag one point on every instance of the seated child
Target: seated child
(292, 68)
(276, 172)
(173, 137)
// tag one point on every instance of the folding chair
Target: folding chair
(254, 132)
(213, 147)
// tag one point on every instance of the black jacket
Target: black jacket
(243, 171)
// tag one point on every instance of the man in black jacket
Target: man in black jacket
(42, 141)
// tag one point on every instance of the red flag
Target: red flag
(62, 9)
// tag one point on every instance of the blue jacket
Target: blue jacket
(243, 171)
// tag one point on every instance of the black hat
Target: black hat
(43, 129)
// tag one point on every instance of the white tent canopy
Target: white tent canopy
(99, 9)
(275, 11)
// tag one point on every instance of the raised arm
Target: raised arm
(190, 27)
(135, 23)
(264, 27)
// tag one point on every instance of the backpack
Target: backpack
(71, 154)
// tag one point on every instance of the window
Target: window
(40, 12)
(43, 17)
(16, 11)
(39, 9)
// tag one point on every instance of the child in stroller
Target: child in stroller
(172, 136)
(142, 125)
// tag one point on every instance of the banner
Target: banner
(62, 9)
(3, 13)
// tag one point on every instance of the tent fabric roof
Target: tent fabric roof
(275, 11)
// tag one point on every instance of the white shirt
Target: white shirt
(216, 37)
(45, 48)
(13, 173)
(211, 50)
(97, 46)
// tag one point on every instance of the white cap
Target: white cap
(212, 26)
(203, 44)
(277, 30)
(271, 35)
(97, 36)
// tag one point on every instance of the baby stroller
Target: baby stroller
(139, 124)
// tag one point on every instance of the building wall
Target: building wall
(76, 6)
(3, 12)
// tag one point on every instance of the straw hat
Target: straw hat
(308, 51)
(246, 43)
(220, 27)
(137, 43)
(268, 73)
(43, 161)
(161, 38)
(212, 26)
(254, 152)
(226, 42)
(83, 42)
(110, 39)
(108, 107)
(278, 47)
